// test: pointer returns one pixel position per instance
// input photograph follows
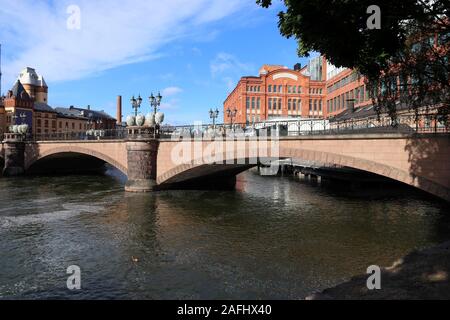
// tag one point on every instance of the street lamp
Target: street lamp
(213, 115)
(136, 104)
(231, 114)
(155, 102)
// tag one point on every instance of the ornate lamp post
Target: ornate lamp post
(136, 104)
(213, 115)
(155, 102)
(231, 114)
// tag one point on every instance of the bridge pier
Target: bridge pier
(142, 157)
(14, 158)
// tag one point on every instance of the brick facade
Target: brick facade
(278, 92)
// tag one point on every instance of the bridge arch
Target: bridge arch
(36, 156)
(196, 169)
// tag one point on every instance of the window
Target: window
(258, 103)
(299, 89)
(280, 88)
(60, 124)
(274, 88)
(289, 104)
(253, 103)
(279, 103)
(248, 103)
(46, 123)
(39, 122)
(310, 105)
(259, 88)
(294, 104)
(73, 126)
(320, 105)
(269, 88)
(270, 103)
(315, 105)
(80, 126)
(289, 89)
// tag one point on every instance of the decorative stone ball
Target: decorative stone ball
(140, 119)
(15, 129)
(159, 117)
(150, 119)
(131, 120)
(23, 128)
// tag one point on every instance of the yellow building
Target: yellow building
(71, 121)
(44, 119)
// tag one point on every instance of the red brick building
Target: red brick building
(318, 90)
(345, 90)
(279, 92)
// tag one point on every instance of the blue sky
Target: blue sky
(194, 51)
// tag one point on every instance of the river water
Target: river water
(272, 237)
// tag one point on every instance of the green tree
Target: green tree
(338, 29)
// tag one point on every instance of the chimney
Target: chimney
(119, 110)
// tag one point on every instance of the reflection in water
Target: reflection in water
(271, 238)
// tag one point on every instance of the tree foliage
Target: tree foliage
(398, 60)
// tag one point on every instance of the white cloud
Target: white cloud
(112, 33)
(225, 63)
(170, 104)
(171, 91)
(229, 69)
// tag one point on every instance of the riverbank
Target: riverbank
(422, 274)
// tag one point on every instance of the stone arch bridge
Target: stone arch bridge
(419, 160)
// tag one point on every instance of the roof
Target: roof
(19, 91)
(83, 113)
(29, 76)
(43, 107)
(363, 112)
